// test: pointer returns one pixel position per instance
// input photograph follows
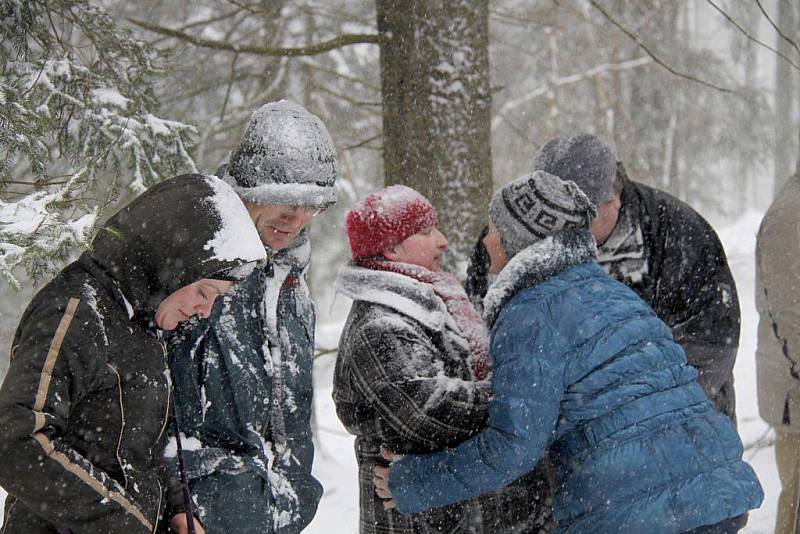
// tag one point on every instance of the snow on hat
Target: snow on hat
(536, 206)
(385, 218)
(285, 157)
(583, 159)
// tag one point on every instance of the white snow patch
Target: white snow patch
(105, 95)
(188, 444)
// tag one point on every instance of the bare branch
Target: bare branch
(310, 50)
(365, 143)
(652, 54)
(565, 80)
(346, 98)
(787, 39)
(747, 34)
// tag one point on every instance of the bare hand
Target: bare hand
(178, 524)
(381, 483)
(389, 456)
(381, 480)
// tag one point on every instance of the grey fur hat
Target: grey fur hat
(538, 205)
(286, 157)
(583, 159)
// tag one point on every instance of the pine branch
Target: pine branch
(310, 50)
(650, 53)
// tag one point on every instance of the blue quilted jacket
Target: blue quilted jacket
(583, 366)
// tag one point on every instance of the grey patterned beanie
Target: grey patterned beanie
(285, 157)
(536, 206)
(583, 159)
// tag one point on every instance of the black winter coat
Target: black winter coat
(84, 406)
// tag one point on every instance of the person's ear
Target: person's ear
(391, 253)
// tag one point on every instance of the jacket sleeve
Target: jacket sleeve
(55, 362)
(520, 426)
(698, 300)
(402, 374)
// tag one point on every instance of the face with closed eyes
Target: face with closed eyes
(279, 225)
(195, 299)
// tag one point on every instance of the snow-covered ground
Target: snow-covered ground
(335, 460)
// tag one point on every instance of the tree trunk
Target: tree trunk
(437, 109)
(784, 96)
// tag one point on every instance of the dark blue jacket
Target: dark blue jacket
(243, 389)
(583, 366)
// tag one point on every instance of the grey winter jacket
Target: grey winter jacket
(778, 304)
(243, 393)
(402, 382)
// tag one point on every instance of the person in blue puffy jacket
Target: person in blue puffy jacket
(583, 367)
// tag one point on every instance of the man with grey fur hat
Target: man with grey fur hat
(659, 247)
(243, 376)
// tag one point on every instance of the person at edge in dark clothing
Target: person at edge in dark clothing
(85, 405)
(243, 387)
(584, 368)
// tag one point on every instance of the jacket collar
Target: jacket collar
(399, 292)
(535, 264)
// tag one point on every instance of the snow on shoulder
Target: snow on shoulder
(237, 237)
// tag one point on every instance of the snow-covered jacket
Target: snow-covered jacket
(243, 386)
(583, 366)
(85, 404)
(778, 304)
(402, 381)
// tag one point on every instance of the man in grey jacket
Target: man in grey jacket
(778, 354)
(243, 377)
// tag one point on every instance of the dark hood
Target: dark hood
(162, 240)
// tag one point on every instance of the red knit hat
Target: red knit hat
(385, 218)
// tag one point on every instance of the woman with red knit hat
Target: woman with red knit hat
(413, 369)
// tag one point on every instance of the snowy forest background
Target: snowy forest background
(100, 99)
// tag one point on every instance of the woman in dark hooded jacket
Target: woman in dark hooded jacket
(85, 404)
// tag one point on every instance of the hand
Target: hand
(178, 524)
(381, 480)
(389, 456)
(381, 483)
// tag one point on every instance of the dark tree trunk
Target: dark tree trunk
(437, 110)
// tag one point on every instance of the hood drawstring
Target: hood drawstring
(187, 496)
